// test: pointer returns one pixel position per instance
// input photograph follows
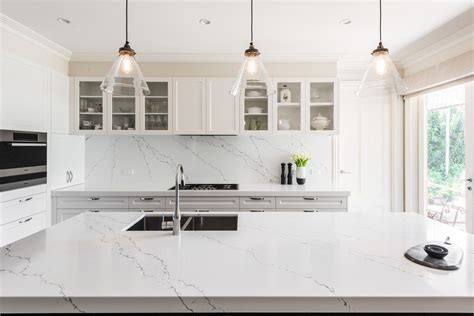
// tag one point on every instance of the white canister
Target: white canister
(285, 94)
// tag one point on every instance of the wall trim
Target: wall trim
(449, 44)
(25, 32)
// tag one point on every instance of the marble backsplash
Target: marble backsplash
(121, 160)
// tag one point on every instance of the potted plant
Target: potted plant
(301, 161)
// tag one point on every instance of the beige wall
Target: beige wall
(449, 70)
(155, 69)
(14, 44)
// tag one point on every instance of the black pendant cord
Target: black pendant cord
(380, 21)
(126, 21)
(251, 22)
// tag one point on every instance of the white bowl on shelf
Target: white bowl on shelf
(254, 93)
(254, 110)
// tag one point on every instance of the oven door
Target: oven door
(22, 164)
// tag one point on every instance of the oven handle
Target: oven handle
(28, 144)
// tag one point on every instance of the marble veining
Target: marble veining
(240, 159)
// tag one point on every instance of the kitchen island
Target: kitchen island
(341, 262)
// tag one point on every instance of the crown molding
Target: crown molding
(28, 34)
(450, 45)
(208, 57)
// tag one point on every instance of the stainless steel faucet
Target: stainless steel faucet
(177, 212)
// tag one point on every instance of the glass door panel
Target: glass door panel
(256, 108)
(123, 113)
(445, 156)
(288, 106)
(321, 106)
(157, 107)
(91, 115)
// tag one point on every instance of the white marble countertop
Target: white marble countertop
(305, 261)
(244, 190)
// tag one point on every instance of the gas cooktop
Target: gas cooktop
(209, 186)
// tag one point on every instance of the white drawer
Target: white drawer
(146, 202)
(96, 202)
(312, 210)
(316, 202)
(22, 228)
(22, 207)
(257, 202)
(205, 203)
(64, 214)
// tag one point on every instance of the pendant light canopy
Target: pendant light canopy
(381, 73)
(125, 76)
(252, 72)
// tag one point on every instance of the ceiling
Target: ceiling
(310, 30)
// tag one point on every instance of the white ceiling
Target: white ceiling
(283, 29)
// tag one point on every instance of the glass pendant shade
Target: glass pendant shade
(125, 76)
(252, 74)
(381, 75)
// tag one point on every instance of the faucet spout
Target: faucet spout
(180, 183)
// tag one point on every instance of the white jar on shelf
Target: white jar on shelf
(285, 94)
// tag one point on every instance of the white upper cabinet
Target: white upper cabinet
(156, 112)
(322, 106)
(123, 114)
(60, 109)
(25, 95)
(222, 107)
(189, 96)
(289, 105)
(256, 111)
(89, 110)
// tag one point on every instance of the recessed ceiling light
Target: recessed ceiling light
(63, 20)
(345, 21)
(204, 21)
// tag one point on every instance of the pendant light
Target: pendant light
(252, 73)
(125, 76)
(382, 73)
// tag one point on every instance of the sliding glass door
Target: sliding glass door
(447, 140)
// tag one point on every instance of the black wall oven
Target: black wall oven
(22, 159)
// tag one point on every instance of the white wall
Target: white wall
(128, 160)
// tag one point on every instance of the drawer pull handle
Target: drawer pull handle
(257, 198)
(146, 199)
(26, 200)
(147, 211)
(26, 220)
(310, 211)
(94, 199)
(94, 211)
(310, 198)
(202, 211)
(257, 211)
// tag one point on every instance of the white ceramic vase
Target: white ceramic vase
(301, 175)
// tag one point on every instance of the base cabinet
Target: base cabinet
(22, 228)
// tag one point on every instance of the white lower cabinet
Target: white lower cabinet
(67, 161)
(22, 228)
(311, 210)
(64, 214)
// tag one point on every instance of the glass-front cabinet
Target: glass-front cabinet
(322, 115)
(124, 114)
(90, 114)
(156, 108)
(289, 106)
(256, 110)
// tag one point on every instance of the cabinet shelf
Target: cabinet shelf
(256, 98)
(249, 114)
(156, 113)
(156, 97)
(91, 96)
(123, 113)
(90, 113)
(289, 105)
(321, 104)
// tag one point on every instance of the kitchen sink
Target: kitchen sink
(188, 222)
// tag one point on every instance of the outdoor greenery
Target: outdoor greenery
(446, 179)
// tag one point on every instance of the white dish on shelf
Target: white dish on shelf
(254, 110)
(254, 93)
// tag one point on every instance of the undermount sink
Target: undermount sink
(188, 222)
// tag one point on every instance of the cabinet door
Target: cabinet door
(58, 162)
(189, 106)
(256, 111)
(76, 161)
(156, 108)
(222, 108)
(25, 96)
(322, 111)
(60, 104)
(289, 106)
(123, 116)
(90, 108)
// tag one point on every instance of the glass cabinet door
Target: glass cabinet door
(321, 107)
(91, 108)
(288, 107)
(157, 108)
(256, 109)
(124, 112)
